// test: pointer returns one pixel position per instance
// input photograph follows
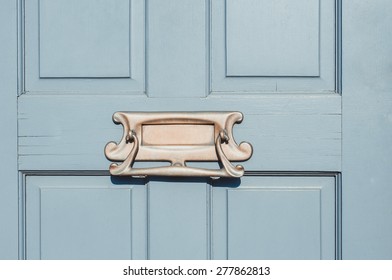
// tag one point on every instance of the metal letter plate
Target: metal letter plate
(177, 137)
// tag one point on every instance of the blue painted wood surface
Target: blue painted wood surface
(183, 206)
(8, 132)
(197, 56)
(289, 132)
(286, 44)
(247, 39)
(260, 217)
(102, 47)
(367, 125)
(274, 217)
(84, 218)
(64, 125)
(176, 48)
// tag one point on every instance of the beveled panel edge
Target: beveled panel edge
(134, 85)
(226, 86)
(24, 174)
(233, 75)
(42, 74)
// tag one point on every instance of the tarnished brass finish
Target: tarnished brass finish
(177, 137)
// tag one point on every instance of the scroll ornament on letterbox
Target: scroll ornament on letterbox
(177, 137)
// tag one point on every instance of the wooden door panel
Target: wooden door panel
(60, 101)
(274, 223)
(275, 218)
(178, 39)
(273, 61)
(68, 129)
(257, 217)
(98, 45)
(89, 47)
(84, 218)
(286, 44)
(273, 46)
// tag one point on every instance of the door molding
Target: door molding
(127, 180)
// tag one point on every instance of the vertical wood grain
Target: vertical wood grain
(178, 220)
(8, 131)
(367, 130)
(177, 54)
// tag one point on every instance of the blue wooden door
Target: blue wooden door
(277, 62)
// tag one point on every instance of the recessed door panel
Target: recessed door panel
(286, 44)
(255, 217)
(84, 46)
(273, 46)
(71, 217)
(282, 217)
